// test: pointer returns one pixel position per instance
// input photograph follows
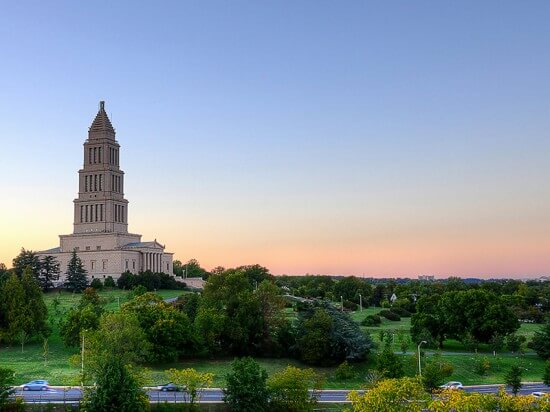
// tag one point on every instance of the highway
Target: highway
(215, 395)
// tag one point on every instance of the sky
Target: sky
(364, 138)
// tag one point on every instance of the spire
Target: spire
(101, 126)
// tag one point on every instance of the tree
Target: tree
(246, 389)
(541, 341)
(514, 342)
(289, 389)
(190, 381)
(255, 274)
(109, 282)
(24, 308)
(193, 269)
(116, 389)
(513, 378)
(168, 330)
(392, 395)
(6, 380)
(119, 335)
(37, 311)
(78, 320)
(48, 273)
(314, 343)
(177, 268)
(77, 279)
(319, 343)
(435, 372)
(26, 258)
(388, 363)
(546, 377)
(350, 287)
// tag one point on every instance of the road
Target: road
(214, 395)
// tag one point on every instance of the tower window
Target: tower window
(86, 214)
(101, 212)
(81, 214)
(100, 182)
(90, 155)
(99, 154)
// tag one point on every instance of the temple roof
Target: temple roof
(101, 126)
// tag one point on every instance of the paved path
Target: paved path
(215, 395)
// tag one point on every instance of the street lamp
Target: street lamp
(360, 303)
(418, 350)
(82, 358)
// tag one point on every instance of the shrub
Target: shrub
(348, 304)
(481, 365)
(345, 371)
(109, 282)
(371, 320)
(404, 313)
(389, 315)
(96, 284)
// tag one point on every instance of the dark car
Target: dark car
(37, 385)
(169, 387)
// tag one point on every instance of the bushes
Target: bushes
(149, 280)
(96, 284)
(371, 320)
(348, 304)
(389, 315)
(404, 313)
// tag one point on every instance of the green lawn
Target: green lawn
(57, 369)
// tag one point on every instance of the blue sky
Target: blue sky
(384, 138)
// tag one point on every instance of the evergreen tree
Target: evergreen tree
(24, 310)
(35, 308)
(513, 379)
(13, 307)
(77, 280)
(49, 271)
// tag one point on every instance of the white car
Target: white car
(452, 385)
(538, 394)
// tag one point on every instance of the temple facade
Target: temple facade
(100, 236)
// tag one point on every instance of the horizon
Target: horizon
(372, 140)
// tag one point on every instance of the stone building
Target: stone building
(100, 236)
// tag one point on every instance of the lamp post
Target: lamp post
(342, 303)
(418, 350)
(82, 360)
(360, 303)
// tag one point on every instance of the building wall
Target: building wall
(94, 242)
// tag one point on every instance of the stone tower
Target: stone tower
(100, 235)
(100, 206)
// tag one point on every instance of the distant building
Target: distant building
(426, 278)
(100, 236)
